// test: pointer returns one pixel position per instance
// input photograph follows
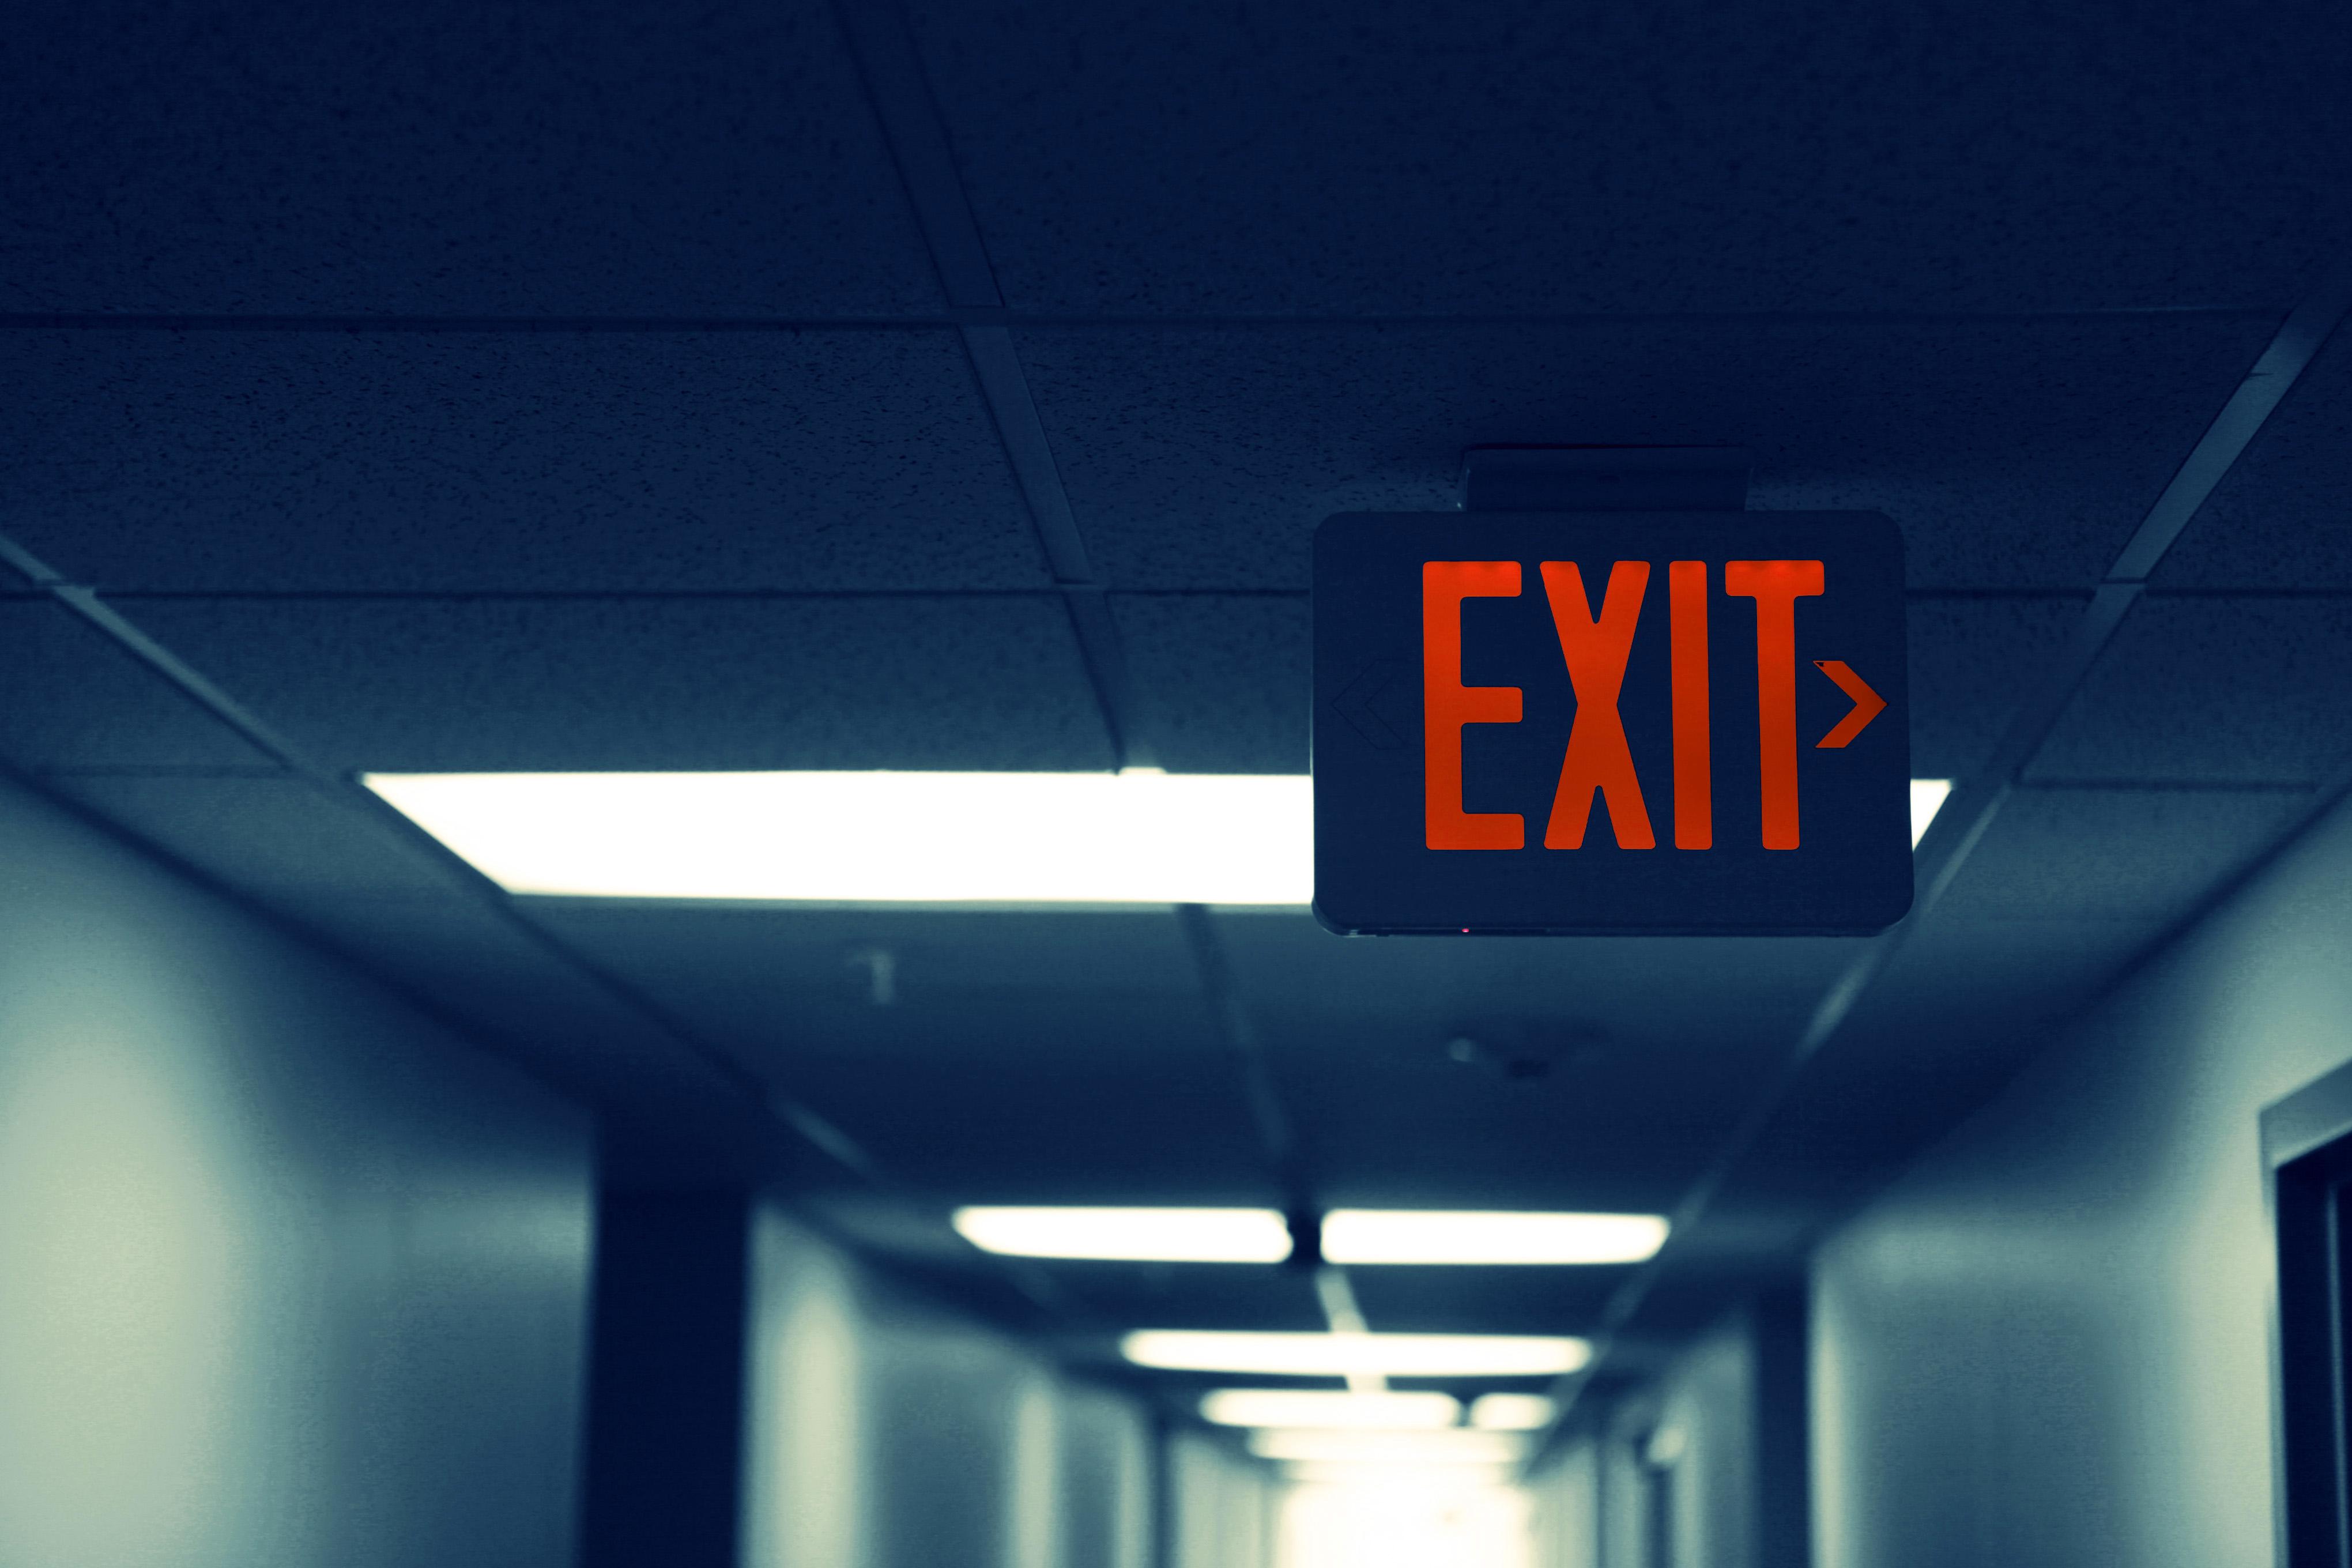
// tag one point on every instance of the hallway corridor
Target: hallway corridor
(870, 784)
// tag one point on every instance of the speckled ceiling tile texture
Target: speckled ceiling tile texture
(1352, 156)
(2055, 853)
(599, 683)
(74, 700)
(2013, 454)
(442, 159)
(1228, 679)
(2242, 690)
(1971, 661)
(480, 462)
(1643, 1081)
(2283, 518)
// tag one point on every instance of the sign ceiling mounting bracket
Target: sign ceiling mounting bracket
(1605, 478)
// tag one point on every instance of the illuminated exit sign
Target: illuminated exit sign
(1634, 722)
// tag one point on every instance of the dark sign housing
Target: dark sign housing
(1588, 723)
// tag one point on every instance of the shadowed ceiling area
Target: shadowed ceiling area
(497, 388)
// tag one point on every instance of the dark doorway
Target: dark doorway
(1658, 1515)
(2307, 1139)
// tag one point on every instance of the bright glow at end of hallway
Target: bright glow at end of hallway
(1337, 1355)
(1437, 1235)
(1927, 797)
(1455, 1447)
(1359, 1516)
(1137, 837)
(1130, 1235)
(1329, 1409)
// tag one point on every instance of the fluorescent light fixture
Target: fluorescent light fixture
(1511, 1413)
(1927, 797)
(1388, 1484)
(1141, 1235)
(1439, 1236)
(1328, 1408)
(1137, 836)
(1456, 1448)
(1337, 1355)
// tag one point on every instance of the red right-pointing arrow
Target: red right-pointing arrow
(1867, 704)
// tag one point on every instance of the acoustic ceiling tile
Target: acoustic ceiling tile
(442, 159)
(75, 700)
(2014, 453)
(1225, 680)
(804, 979)
(472, 685)
(1516, 1299)
(1535, 1073)
(1972, 661)
(478, 462)
(2145, 856)
(266, 835)
(1196, 1296)
(1020, 1056)
(2215, 690)
(1350, 157)
(2283, 516)
(1162, 1129)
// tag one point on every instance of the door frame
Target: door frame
(2306, 1141)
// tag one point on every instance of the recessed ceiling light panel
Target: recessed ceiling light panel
(1337, 1355)
(1303, 1408)
(1927, 797)
(1129, 1235)
(1138, 836)
(1442, 1236)
(1456, 1448)
(1511, 1412)
(1389, 1481)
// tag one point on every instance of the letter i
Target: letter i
(1694, 733)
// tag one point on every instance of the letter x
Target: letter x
(1598, 757)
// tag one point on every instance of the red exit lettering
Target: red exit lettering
(1447, 704)
(1596, 648)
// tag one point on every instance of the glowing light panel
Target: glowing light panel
(1456, 1448)
(1436, 1236)
(1401, 1516)
(1326, 1408)
(1337, 1355)
(1511, 1412)
(1927, 797)
(1137, 836)
(1129, 1235)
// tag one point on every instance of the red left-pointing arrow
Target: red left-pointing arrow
(1867, 704)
